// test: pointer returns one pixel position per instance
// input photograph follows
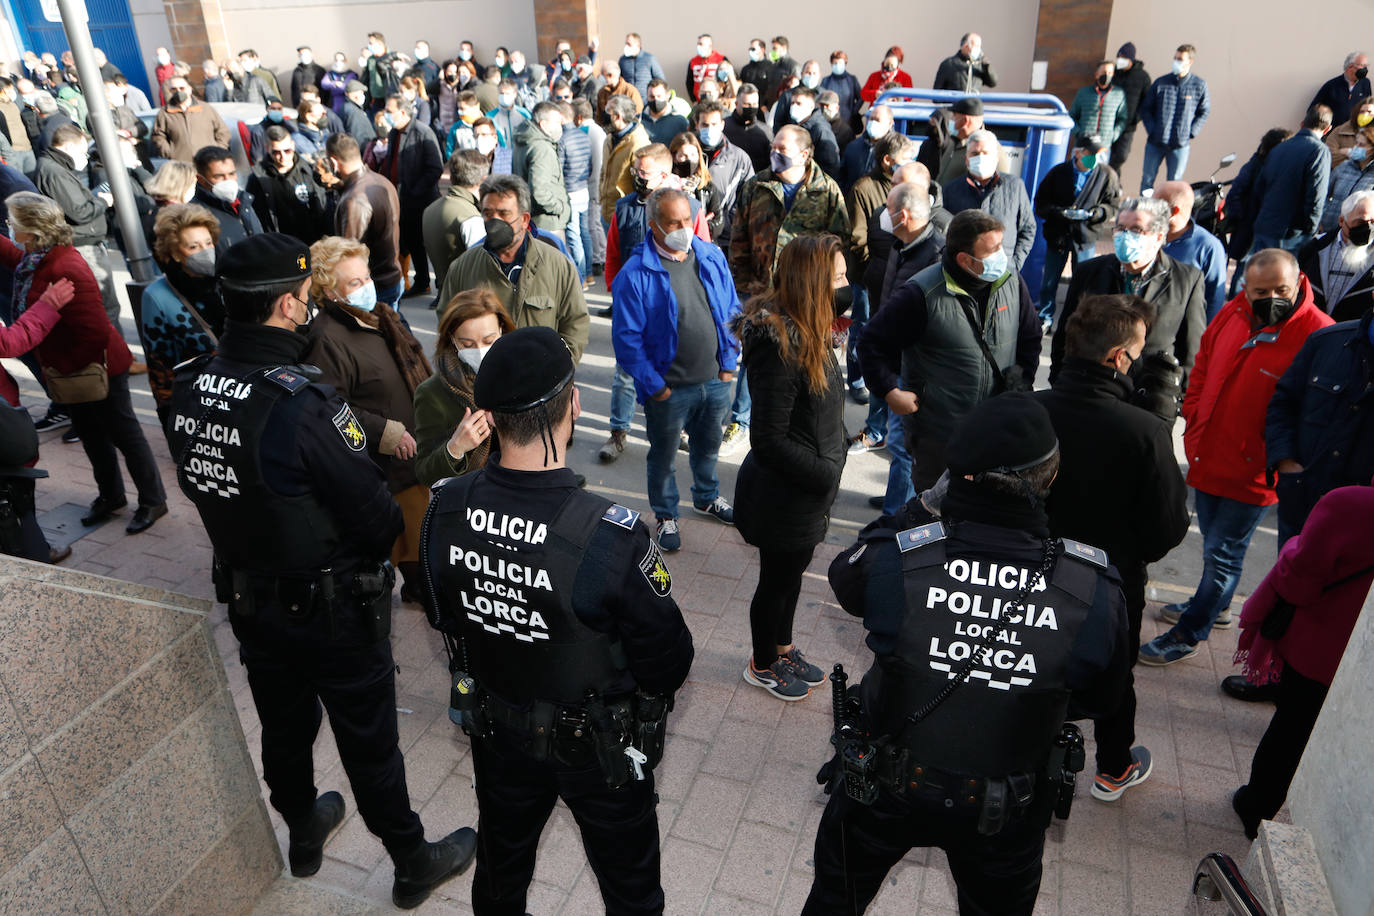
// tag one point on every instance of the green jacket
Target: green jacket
(440, 402)
(537, 161)
(549, 294)
(1099, 114)
(764, 226)
(451, 225)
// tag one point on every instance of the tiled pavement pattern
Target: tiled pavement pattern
(739, 803)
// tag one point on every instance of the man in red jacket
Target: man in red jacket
(1244, 353)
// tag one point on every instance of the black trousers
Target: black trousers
(108, 428)
(1296, 708)
(774, 606)
(1121, 149)
(1114, 733)
(295, 667)
(856, 846)
(928, 461)
(413, 243)
(515, 796)
(30, 542)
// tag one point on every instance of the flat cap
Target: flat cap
(969, 105)
(1009, 432)
(522, 370)
(263, 260)
(354, 86)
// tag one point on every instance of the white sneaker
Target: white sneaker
(735, 436)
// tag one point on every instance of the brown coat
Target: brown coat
(603, 95)
(616, 180)
(369, 211)
(180, 134)
(362, 365)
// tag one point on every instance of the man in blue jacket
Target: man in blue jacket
(1173, 113)
(674, 300)
(638, 66)
(1291, 188)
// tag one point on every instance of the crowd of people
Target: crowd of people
(775, 239)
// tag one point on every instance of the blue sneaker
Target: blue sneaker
(669, 538)
(1108, 788)
(719, 510)
(1165, 649)
(801, 669)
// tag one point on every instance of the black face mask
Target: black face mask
(1360, 235)
(749, 114)
(500, 235)
(684, 169)
(1273, 310)
(1104, 81)
(844, 298)
(642, 187)
(657, 105)
(177, 98)
(1361, 73)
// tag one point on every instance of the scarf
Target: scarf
(405, 349)
(968, 501)
(23, 279)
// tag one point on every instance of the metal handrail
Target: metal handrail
(1042, 99)
(1218, 878)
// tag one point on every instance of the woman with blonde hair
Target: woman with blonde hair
(417, 98)
(792, 472)
(368, 354)
(85, 360)
(182, 315)
(453, 436)
(173, 183)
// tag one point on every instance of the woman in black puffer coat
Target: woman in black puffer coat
(798, 447)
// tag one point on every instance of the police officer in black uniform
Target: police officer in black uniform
(565, 644)
(986, 635)
(301, 521)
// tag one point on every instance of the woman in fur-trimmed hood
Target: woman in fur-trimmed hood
(798, 446)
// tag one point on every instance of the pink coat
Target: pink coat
(1334, 543)
(21, 337)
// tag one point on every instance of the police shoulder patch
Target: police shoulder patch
(1086, 552)
(912, 538)
(287, 377)
(655, 571)
(350, 429)
(619, 515)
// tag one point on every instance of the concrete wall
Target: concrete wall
(125, 781)
(1332, 794)
(1263, 61)
(274, 28)
(864, 29)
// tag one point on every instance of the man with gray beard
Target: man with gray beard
(1340, 264)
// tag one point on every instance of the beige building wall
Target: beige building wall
(274, 28)
(1263, 60)
(928, 32)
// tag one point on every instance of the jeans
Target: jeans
(598, 229)
(622, 399)
(1227, 527)
(743, 404)
(391, 294)
(1054, 268)
(858, 314)
(699, 409)
(1174, 160)
(578, 241)
(899, 487)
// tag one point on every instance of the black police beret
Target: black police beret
(264, 260)
(970, 105)
(1011, 432)
(522, 370)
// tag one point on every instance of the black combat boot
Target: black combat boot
(307, 837)
(428, 865)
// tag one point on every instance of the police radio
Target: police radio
(854, 751)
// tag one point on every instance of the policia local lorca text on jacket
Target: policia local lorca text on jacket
(566, 646)
(986, 636)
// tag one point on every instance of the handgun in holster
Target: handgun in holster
(372, 592)
(651, 725)
(610, 737)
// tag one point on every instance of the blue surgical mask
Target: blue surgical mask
(364, 298)
(276, 117)
(1130, 247)
(994, 265)
(711, 136)
(811, 80)
(1356, 153)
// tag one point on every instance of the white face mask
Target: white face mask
(164, 58)
(1180, 67)
(678, 240)
(876, 130)
(631, 51)
(307, 58)
(472, 356)
(227, 190)
(703, 51)
(885, 221)
(755, 55)
(983, 165)
(421, 54)
(975, 54)
(798, 113)
(485, 145)
(80, 158)
(1123, 63)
